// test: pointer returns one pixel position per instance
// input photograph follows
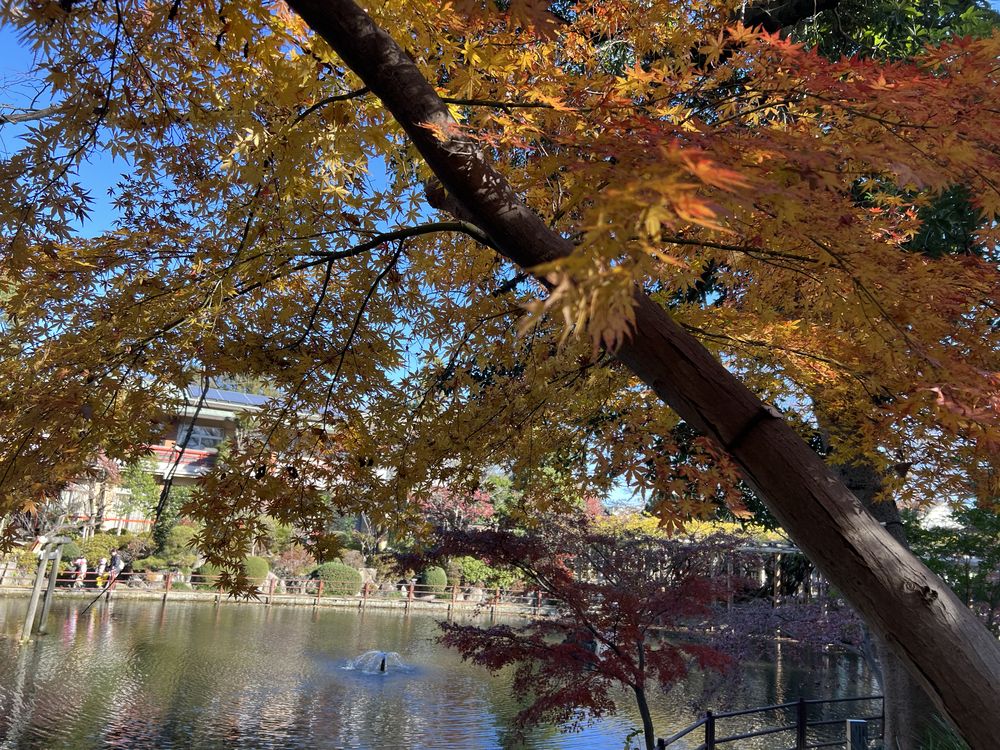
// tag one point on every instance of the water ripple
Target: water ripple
(139, 676)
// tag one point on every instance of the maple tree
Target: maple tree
(612, 596)
(445, 508)
(273, 224)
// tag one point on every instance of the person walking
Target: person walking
(81, 572)
(115, 566)
(102, 569)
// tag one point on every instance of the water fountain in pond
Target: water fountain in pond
(375, 662)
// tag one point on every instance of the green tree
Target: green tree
(138, 479)
(893, 28)
(169, 515)
(965, 551)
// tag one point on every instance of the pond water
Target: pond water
(142, 676)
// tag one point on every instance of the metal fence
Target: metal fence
(855, 728)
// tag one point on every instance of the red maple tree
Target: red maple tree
(612, 596)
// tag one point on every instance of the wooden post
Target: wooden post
(29, 616)
(801, 723)
(166, 585)
(856, 732)
(43, 623)
(776, 581)
(319, 593)
(709, 731)
(729, 582)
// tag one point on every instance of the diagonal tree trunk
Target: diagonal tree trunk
(909, 711)
(942, 644)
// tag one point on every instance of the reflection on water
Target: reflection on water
(141, 676)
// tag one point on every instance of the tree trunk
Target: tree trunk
(953, 656)
(88, 530)
(909, 711)
(647, 719)
(102, 505)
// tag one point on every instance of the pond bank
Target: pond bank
(424, 604)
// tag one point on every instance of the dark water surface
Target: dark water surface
(140, 676)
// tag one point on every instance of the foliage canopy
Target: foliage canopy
(273, 224)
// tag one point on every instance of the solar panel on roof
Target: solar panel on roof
(230, 397)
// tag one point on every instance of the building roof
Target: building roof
(235, 398)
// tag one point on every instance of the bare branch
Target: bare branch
(28, 115)
(329, 100)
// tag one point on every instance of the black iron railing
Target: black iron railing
(801, 726)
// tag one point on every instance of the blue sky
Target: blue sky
(102, 172)
(98, 175)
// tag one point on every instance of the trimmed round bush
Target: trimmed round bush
(434, 578)
(256, 568)
(338, 579)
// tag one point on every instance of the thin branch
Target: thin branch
(465, 227)
(321, 259)
(361, 310)
(495, 103)
(29, 115)
(316, 307)
(738, 249)
(329, 100)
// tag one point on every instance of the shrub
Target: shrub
(280, 536)
(101, 545)
(477, 572)
(149, 564)
(25, 561)
(338, 579)
(70, 551)
(434, 578)
(293, 562)
(177, 550)
(255, 567)
(136, 546)
(454, 571)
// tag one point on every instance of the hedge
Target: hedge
(435, 579)
(338, 579)
(256, 569)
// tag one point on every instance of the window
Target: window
(200, 437)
